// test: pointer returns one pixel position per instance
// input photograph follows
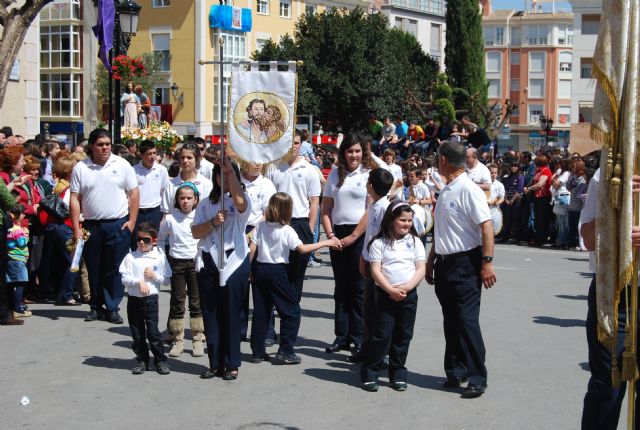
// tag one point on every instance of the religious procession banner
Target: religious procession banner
(261, 114)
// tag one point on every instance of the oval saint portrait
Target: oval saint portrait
(261, 117)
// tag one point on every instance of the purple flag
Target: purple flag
(104, 30)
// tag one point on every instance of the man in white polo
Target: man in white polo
(478, 172)
(460, 263)
(153, 179)
(105, 189)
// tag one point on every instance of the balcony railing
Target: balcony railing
(431, 6)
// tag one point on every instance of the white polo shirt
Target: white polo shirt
(497, 190)
(203, 185)
(234, 224)
(480, 174)
(395, 170)
(398, 260)
(132, 270)
(103, 189)
(300, 181)
(420, 191)
(206, 168)
(462, 207)
(376, 213)
(350, 200)
(176, 228)
(152, 183)
(589, 211)
(260, 191)
(274, 242)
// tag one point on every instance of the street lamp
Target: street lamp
(546, 123)
(125, 27)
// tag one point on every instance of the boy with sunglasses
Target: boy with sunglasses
(143, 272)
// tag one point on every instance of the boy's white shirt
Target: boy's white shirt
(132, 271)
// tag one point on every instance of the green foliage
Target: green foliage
(443, 111)
(464, 54)
(354, 65)
(152, 63)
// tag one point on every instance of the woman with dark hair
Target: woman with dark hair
(514, 187)
(344, 203)
(540, 192)
(189, 157)
(221, 289)
(51, 148)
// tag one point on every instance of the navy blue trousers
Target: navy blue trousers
(602, 402)
(152, 215)
(60, 275)
(297, 266)
(393, 332)
(272, 287)
(349, 289)
(142, 313)
(103, 253)
(369, 309)
(458, 287)
(221, 312)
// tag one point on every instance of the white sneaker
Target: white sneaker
(313, 263)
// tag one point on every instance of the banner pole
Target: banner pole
(221, 252)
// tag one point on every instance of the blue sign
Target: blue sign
(230, 18)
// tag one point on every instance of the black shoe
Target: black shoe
(399, 386)
(163, 368)
(453, 382)
(114, 317)
(370, 386)
(259, 358)
(356, 349)
(472, 391)
(269, 342)
(140, 368)
(357, 358)
(336, 346)
(316, 259)
(211, 373)
(91, 316)
(230, 374)
(287, 358)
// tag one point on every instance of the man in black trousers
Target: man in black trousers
(460, 263)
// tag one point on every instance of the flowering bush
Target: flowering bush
(126, 67)
(160, 133)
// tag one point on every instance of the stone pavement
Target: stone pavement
(76, 374)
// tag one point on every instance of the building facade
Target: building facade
(529, 61)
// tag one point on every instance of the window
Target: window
(60, 95)
(537, 34)
(494, 89)
(494, 62)
(499, 35)
(434, 42)
(515, 84)
(493, 35)
(160, 43)
(516, 36)
(590, 24)
(564, 89)
(536, 88)
(565, 35)
(566, 59)
(60, 46)
(262, 7)
(536, 62)
(161, 95)
(564, 115)
(535, 111)
(234, 50)
(408, 25)
(260, 43)
(310, 9)
(285, 9)
(586, 68)
(515, 58)
(161, 3)
(61, 10)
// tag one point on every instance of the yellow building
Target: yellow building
(181, 30)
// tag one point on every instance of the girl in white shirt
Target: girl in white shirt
(274, 238)
(397, 259)
(189, 157)
(221, 288)
(176, 228)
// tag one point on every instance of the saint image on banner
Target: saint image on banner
(261, 117)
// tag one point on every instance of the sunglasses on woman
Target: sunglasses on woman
(145, 239)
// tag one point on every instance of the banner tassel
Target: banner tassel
(629, 367)
(615, 373)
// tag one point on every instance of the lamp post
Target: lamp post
(125, 27)
(546, 123)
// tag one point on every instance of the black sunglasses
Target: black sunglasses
(146, 240)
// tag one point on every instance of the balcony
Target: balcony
(436, 7)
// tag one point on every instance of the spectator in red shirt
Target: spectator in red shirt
(540, 191)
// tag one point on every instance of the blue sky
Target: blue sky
(520, 4)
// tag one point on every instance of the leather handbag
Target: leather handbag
(53, 205)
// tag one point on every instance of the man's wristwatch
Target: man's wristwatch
(487, 259)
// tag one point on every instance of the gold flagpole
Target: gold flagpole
(632, 319)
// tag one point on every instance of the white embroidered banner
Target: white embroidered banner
(262, 114)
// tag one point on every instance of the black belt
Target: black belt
(147, 210)
(300, 219)
(445, 257)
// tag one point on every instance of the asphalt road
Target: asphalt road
(76, 374)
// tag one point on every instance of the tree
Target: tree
(15, 19)
(353, 65)
(464, 54)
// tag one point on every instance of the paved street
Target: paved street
(76, 374)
